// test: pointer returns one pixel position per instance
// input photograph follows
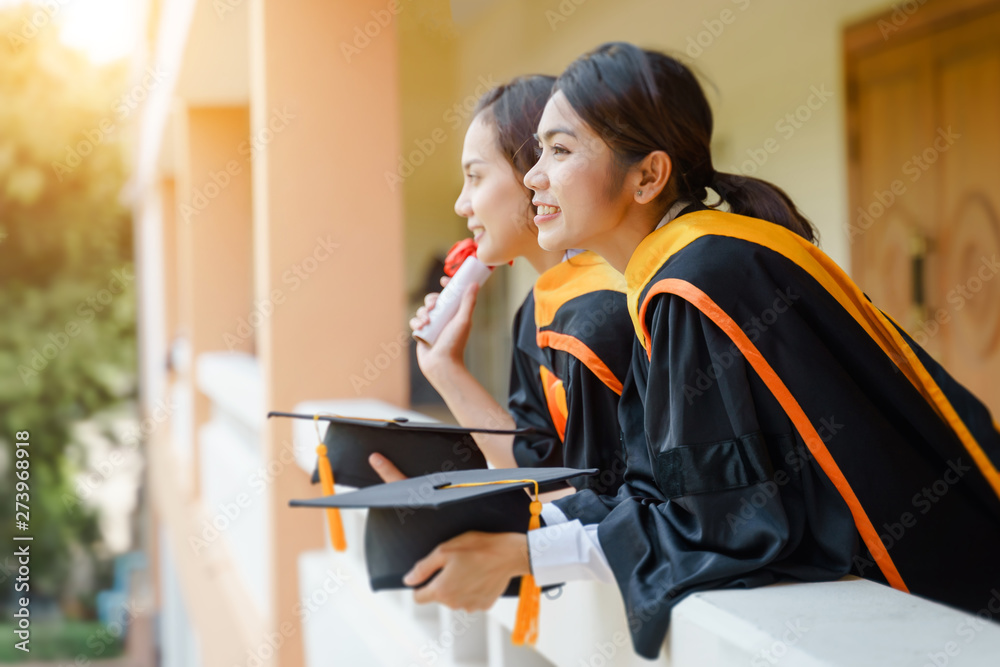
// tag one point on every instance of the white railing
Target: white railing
(839, 624)
(231, 465)
(845, 623)
(389, 629)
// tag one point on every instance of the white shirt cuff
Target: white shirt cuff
(552, 515)
(566, 551)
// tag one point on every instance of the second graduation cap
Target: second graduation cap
(415, 448)
(409, 518)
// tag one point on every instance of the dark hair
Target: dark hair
(639, 101)
(514, 109)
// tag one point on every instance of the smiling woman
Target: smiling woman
(754, 455)
(561, 354)
(572, 339)
(715, 497)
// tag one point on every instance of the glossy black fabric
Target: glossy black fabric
(414, 452)
(738, 527)
(409, 518)
(672, 530)
(526, 399)
(599, 320)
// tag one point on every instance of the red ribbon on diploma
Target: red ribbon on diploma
(459, 253)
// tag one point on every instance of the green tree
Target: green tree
(67, 307)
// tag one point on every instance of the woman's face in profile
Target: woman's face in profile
(571, 181)
(493, 199)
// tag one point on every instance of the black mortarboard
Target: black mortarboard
(409, 518)
(413, 447)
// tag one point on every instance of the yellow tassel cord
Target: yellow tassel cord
(526, 622)
(337, 538)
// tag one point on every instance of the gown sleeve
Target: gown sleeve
(526, 402)
(593, 436)
(714, 494)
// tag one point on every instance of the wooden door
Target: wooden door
(924, 132)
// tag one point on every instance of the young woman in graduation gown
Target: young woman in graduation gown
(778, 426)
(572, 335)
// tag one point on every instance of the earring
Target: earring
(638, 193)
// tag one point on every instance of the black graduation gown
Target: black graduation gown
(573, 339)
(779, 427)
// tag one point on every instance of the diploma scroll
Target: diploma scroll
(471, 271)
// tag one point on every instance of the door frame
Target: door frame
(885, 30)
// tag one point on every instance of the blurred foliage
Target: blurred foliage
(67, 305)
(53, 103)
(52, 641)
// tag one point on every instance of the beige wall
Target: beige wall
(426, 170)
(328, 241)
(760, 66)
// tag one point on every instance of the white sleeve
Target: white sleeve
(552, 515)
(565, 550)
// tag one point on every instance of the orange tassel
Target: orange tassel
(326, 479)
(529, 599)
(529, 595)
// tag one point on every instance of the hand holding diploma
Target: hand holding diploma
(443, 365)
(447, 355)
(441, 326)
(464, 270)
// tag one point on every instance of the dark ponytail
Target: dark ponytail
(640, 101)
(756, 198)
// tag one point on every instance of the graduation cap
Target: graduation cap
(409, 518)
(415, 448)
